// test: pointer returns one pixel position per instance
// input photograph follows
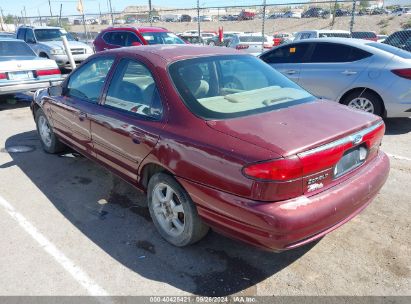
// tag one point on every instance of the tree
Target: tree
(9, 19)
(364, 3)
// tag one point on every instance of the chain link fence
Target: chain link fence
(373, 20)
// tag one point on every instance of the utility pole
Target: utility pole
(2, 20)
(198, 20)
(51, 14)
(25, 15)
(263, 25)
(38, 12)
(352, 16)
(149, 13)
(111, 12)
(61, 8)
(335, 9)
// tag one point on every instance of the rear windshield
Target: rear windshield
(252, 39)
(221, 87)
(15, 48)
(341, 35)
(391, 49)
(162, 38)
(363, 35)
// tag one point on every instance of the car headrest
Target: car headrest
(192, 73)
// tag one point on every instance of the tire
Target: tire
(367, 101)
(48, 139)
(174, 207)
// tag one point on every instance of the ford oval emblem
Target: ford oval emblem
(357, 139)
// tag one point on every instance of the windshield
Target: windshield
(52, 34)
(161, 38)
(220, 87)
(15, 48)
(252, 39)
(391, 49)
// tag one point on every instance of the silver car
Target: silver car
(22, 70)
(251, 43)
(362, 74)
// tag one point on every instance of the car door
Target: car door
(288, 59)
(71, 112)
(331, 68)
(128, 125)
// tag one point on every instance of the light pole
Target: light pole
(198, 19)
(149, 13)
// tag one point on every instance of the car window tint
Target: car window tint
(21, 33)
(333, 52)
(120, 38)
(293, 53)
(87, 82)
(133, 89)
(15, 48)
(30, 36)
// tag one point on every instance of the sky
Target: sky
(34, 7)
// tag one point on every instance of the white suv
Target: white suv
(46, 42)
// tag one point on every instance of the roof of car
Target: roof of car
(41, 27)
(325, 31)
(173, 52)
(10, 39)
(139, 29)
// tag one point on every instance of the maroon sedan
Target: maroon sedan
(217, 138)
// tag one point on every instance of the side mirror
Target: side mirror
(136, 43)
(31, 41)
(55, 90)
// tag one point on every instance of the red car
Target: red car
(116, 37)
(217, 138)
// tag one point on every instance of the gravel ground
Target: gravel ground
(59, 239)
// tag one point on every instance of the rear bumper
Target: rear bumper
(27, 86)
(288, 224)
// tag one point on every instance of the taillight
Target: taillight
(3, 76)
(48, 72)
(242, 46)
(282, 169)
(315, 160)
(404, 73)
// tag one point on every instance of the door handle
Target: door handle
(291, 72)
(348, 73)
(135, 140)
(82, 116)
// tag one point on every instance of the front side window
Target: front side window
(162, 38)
(87, 82)
(21, 33)
(221, 87)
(30, 36)
(133, 90)
(293, 53)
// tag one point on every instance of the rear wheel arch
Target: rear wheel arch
(148, 171)
(360, 91)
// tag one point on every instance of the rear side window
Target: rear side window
(121, 38)
(333, 52)
(340, 35)
(391, 49)
(133, 90)
(306, 36)
(294, 53)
